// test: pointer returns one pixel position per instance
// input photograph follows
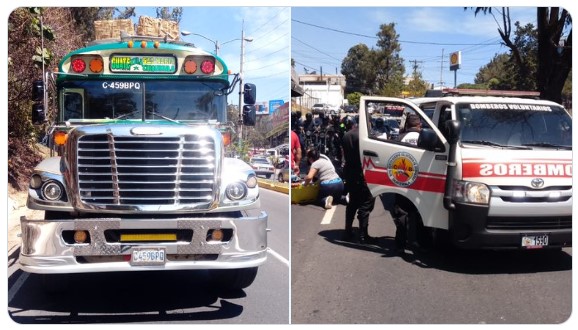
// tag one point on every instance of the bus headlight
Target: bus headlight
(236, 191)
(52, 190)
(471, 192)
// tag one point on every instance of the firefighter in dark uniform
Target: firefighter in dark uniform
(360, 199)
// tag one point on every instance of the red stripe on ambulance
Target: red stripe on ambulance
(422, 183)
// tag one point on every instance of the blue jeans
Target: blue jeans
(326, 188)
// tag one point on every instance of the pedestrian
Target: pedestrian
(330, 184)
(361, 201)
(295, 153)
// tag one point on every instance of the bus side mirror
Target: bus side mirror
(249, 115)
(38, 116)
(250, 94)
(38, 90)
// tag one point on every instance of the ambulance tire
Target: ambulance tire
(422, 234)
(429, 238)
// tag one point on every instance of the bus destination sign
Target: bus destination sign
(140, 64)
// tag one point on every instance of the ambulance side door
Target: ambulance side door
(415, 171)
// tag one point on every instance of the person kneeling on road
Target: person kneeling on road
(330, 184)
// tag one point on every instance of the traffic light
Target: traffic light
(249, 115)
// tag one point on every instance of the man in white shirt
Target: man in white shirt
(411, 133)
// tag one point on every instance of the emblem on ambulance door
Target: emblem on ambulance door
(402, 169)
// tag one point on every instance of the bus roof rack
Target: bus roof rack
(126, 37)
(480, 92)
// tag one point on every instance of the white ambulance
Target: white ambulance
(486, 173)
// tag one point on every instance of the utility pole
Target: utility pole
(241, 87)
(415, 66)
(442, 70)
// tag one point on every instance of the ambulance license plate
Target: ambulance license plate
(148, 257)
(534, 242)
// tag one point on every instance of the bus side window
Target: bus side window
(72, 106)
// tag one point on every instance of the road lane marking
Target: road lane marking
(17, 285)
(278, 256)
(328, 215)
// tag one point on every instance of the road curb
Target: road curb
(274, 186)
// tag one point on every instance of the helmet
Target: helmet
(348, 122)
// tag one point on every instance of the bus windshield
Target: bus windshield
(524, 125)
(117, 99)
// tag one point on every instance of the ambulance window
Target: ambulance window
(445, 115)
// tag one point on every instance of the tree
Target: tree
(496, 69)
(358, 69)
(554, 52)
(353, 98)
(417, 86)
(554, 59)
(29, 29)
(388, 62)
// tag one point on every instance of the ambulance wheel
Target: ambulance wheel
(233, 279)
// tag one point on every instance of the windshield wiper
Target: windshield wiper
(548, 145)
(154, 113)
(493, 144)
(126, 114)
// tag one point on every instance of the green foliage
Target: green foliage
(358, 69)
(375, 71)
(241, 148)
(541, 58)
(389, 64)
(505, 72)
(353, 98)
(472, 86)
(417, 87)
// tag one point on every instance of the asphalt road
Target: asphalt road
(337, 282)
(161, 297)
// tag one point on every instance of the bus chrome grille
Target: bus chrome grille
(146, 170)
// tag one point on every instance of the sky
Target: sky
(266, 58)
(322, 36)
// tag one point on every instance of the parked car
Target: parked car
(318, 108)
(326, 109)
(282, 170)
(331, 110)
(262, 166)
(350, 109)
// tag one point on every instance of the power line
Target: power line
(401, 41)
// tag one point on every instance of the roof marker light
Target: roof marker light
(207, 67)
(78, 65)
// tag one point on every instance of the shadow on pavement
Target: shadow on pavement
(124, 298)
(464, 261)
